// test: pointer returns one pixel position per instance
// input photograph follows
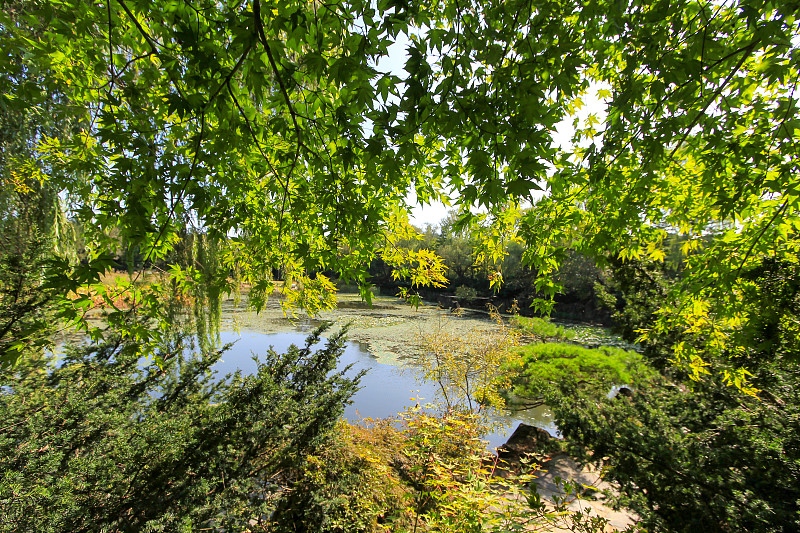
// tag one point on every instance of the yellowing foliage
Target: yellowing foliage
(468, 367)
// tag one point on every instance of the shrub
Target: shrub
(541, 328)
(701, 454)
(98, 443)
(466, 294)
(446, 468)
(426, 471)
(467, 367)
(349, 485)
(698, 458)
(538, 366)
(456, 489)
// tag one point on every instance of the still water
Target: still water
(385, 389)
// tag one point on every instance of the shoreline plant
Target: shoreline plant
(467, 367)
(100, 442)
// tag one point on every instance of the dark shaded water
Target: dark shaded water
(385, 389)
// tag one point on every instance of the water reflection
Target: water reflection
(385, 389)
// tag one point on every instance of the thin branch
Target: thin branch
(749, 49)
(179, 197)
(229, 77)
(139, 27)
(298, 132)
(151, 43)
(750, 46)
(110, 46)
(761, 234)
(255, 138)
(124, 68)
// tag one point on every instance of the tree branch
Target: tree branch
(298, 132)
(748, 50)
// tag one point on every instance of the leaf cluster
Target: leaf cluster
(349, 485)
(26, 317)
(541, 328)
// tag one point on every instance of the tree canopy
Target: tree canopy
(269, 125)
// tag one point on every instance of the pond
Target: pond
(385, 389)
(381, 337)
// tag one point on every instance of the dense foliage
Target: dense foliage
(544, 372)
(700, 455)
(541, 328)
(699, 138)
(276, 127)
(696, 459)
(98, 442)
(229, 142)
(431, 473)
(351, 484)
(26, 316)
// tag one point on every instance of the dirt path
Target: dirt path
(561, 466)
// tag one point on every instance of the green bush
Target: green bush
(466, 293)
(701, 455)
(98, 443)
(538, 366)
(426, 475)
(698, 458)
(541, 328)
